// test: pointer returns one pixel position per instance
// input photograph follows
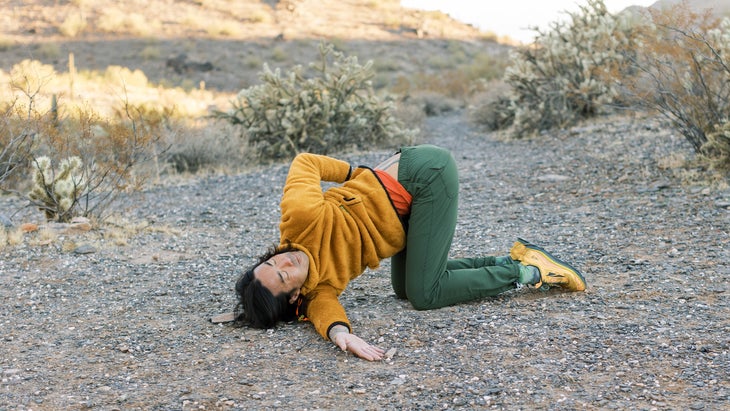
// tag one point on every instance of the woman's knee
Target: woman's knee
(421, 303)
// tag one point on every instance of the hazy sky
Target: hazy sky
(513, 17)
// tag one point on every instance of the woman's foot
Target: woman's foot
(553, 271)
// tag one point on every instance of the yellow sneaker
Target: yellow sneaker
(552, 270)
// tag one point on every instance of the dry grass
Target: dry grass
(48, 51)
(225, 28)
(150, 53)
(44, 236)
(14, 237)
(5, 43)
(117, 21)
(73, 25)
(693, 170)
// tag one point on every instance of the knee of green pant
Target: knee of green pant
(421, 305)
(399, 290)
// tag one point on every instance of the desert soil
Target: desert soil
(112, 326)
(94, 321)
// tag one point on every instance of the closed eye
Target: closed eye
(272, 263)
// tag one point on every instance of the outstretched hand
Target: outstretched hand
(356, 345)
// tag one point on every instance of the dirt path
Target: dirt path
(126, 327)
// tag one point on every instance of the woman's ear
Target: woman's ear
(294, 296)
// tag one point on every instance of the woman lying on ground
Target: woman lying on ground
(404, 209)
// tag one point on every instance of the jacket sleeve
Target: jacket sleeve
(324, 310)
(303, 197)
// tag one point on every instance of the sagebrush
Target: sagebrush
(683, 72)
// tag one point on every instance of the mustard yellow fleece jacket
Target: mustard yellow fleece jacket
(343, 230)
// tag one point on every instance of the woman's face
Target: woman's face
(284, 273)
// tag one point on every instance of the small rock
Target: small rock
(6, 222)
(85, 249)
(80, 224)
(398, 381)
(552, 178)
(390, 353)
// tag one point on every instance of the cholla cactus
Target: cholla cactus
(336, 108)
(57, 192)
(565, 74)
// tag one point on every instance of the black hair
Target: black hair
(257, 306)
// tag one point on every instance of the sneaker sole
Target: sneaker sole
(546, 260)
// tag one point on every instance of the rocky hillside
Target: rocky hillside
(224, 44)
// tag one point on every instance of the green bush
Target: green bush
(565, 75)
(334, 109)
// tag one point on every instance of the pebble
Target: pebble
(85, 249)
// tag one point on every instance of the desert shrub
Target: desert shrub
(333, 109)
(209, 146)
(683, 72)
(717, 147)
(78, 161)
(16, 137)
(73, 25)
(491, 107)
(82, 163)
(564, 76)
(30, 76)
(15, 142)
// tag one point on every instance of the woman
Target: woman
(405, 209)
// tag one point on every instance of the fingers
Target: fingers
(368, 352)
(357, 346)
(370, 355)
(375, 353)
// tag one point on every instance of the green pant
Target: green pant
(422, 272)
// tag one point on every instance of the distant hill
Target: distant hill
(239, 19)
(224, 43)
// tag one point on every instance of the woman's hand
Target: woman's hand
(356, 345)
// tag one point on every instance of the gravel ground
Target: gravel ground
(125, 326)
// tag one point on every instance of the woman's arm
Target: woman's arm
(328, 317)
(303, 197)
(341, 336)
